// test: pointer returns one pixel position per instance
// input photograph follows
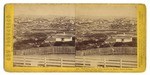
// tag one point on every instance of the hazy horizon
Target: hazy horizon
(72, 10)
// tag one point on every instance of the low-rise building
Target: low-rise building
(63, 37)
(114, 39)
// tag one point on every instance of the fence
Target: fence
(109, 51)
(46, 50)
(24, 61)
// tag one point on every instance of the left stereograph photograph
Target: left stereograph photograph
(44, 36)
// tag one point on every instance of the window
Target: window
(62, 39)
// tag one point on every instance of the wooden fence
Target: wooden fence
(24, 61)
(46, 50)
(109, 51)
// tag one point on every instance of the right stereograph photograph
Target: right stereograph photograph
(106, 36)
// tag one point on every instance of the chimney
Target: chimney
(64, 33)
(124, 34)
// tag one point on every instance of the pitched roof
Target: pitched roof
(110, 40)
(63, 35)
(50, 39)
(122, 37)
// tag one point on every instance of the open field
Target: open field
(72, 56)
(65, 60)
(123, 57)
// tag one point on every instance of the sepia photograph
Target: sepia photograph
(106, 35)
(75, 35)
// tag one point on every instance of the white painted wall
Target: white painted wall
(124, 40)
(118, 40)
(65, 39)
(68, 39)
(58, 39)
(127, 40)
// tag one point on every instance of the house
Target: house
(115, 39)
(123, 39)
(63, 37)
(60, 37)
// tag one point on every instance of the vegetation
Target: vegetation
(30, 40)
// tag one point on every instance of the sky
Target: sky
(107, 10)
(76, 10)
(44, 10)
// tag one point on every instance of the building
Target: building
(123, 39)
(63, 37)
(115, 39)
